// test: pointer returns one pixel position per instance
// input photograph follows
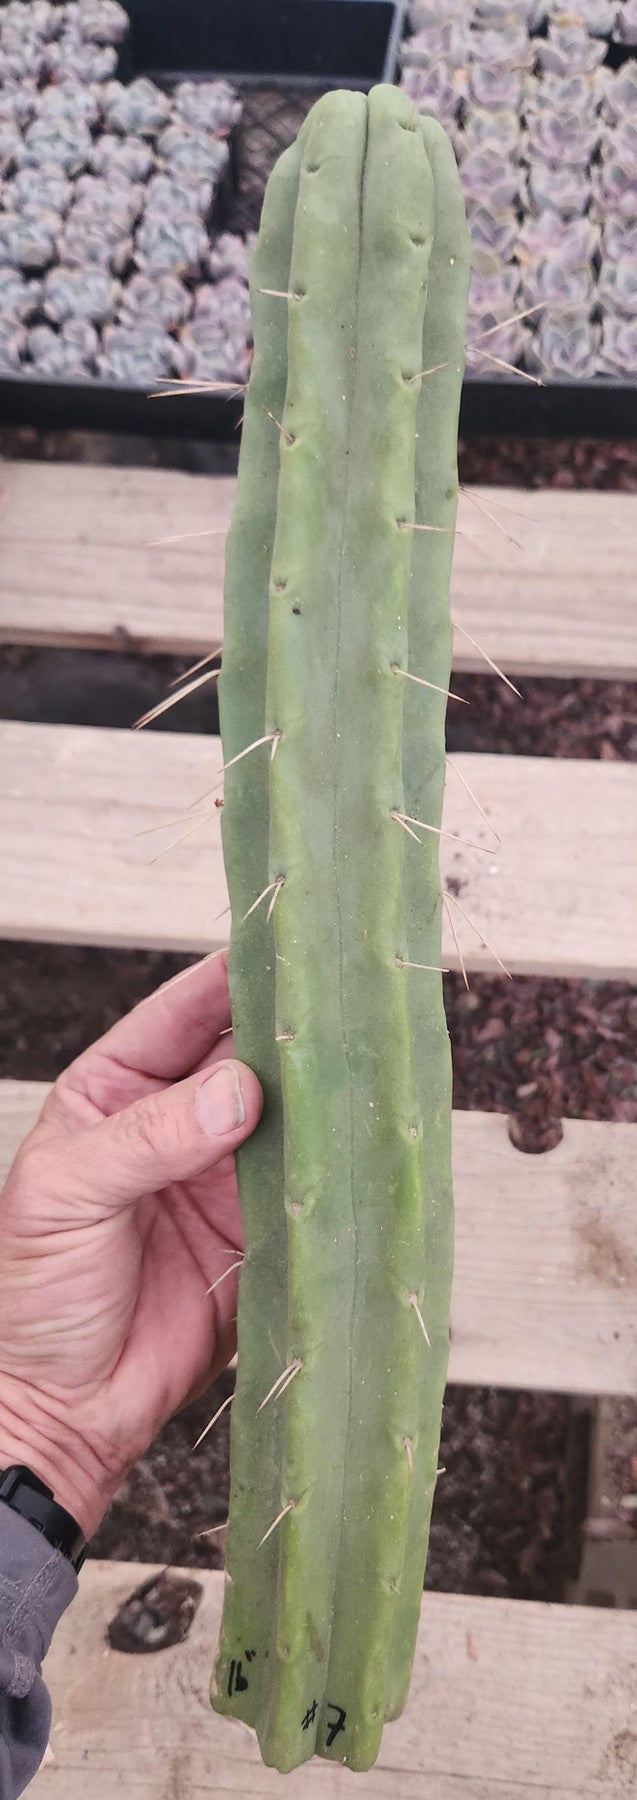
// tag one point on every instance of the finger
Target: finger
(172, 1030)
(169, 1136)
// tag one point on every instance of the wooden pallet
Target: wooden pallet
(518, 1700)
(510, 1700)
(80, 564)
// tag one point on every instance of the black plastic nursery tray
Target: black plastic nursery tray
(332, 43)
(511, 408)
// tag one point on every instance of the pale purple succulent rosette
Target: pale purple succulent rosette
(107, 197)
(546, 138)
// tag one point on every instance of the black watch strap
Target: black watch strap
(27, 1495)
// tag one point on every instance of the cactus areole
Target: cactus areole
(336, 594)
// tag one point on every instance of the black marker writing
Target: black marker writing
(334, 1725)
(236, 1680)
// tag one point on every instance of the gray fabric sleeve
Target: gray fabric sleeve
(36, 1585)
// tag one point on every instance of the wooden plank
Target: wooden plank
(79, 863)
(508, 1699)
(545, 1288)
(78, 566)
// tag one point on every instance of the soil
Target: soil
(509, 1508)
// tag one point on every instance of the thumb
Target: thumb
(169, 1136)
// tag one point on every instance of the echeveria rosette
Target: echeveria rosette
(136, 109)
(138, 354)
(564, 345)
(618, 348)
(85, 293)
(164, 245)
(162, 302)
(208, 105)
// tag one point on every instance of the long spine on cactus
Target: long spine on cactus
(348, 1245)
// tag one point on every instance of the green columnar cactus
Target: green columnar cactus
(333, 600)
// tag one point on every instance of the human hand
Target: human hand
(119, 1213)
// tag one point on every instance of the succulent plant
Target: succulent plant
(574, 241)
(172, 195)
(625, 25)
(563, 189)
(553, 285)
(618, 349)
(10, 145)
(230, 255)
(62, 356)
(596, 16)
(494, 286)
(161, 301)
(18, 103)
(483, 129)
(227, 300)
(116, 203)
(140, 108)
(215, 339)
(129, 159)
(19, 298)
(503, 346)
(619, 240)
(620, 93)
(193, 155)
(23, 64)
(553, 139)
(164, 246)
(13, 340)
(71, 58)
(102, 21)
(207, 105)
(87, 293)
(614, 189)
(137, 355)
(499, 87)
(38, 19)
(340, 1418)
(29, 240)
(444, 40)
(71, 100)
(57, 142)
(505, 44)
(531, 12)
(85, 243)
(435, 90)
(496, 231)
(562, 120)
(425, 14)
(568, 49)
(494, 181)
(564, 345)
(617, 286)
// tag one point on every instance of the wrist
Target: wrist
(48, 1446)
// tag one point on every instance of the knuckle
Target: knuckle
(146, 1127)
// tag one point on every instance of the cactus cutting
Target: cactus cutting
(337, 583)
